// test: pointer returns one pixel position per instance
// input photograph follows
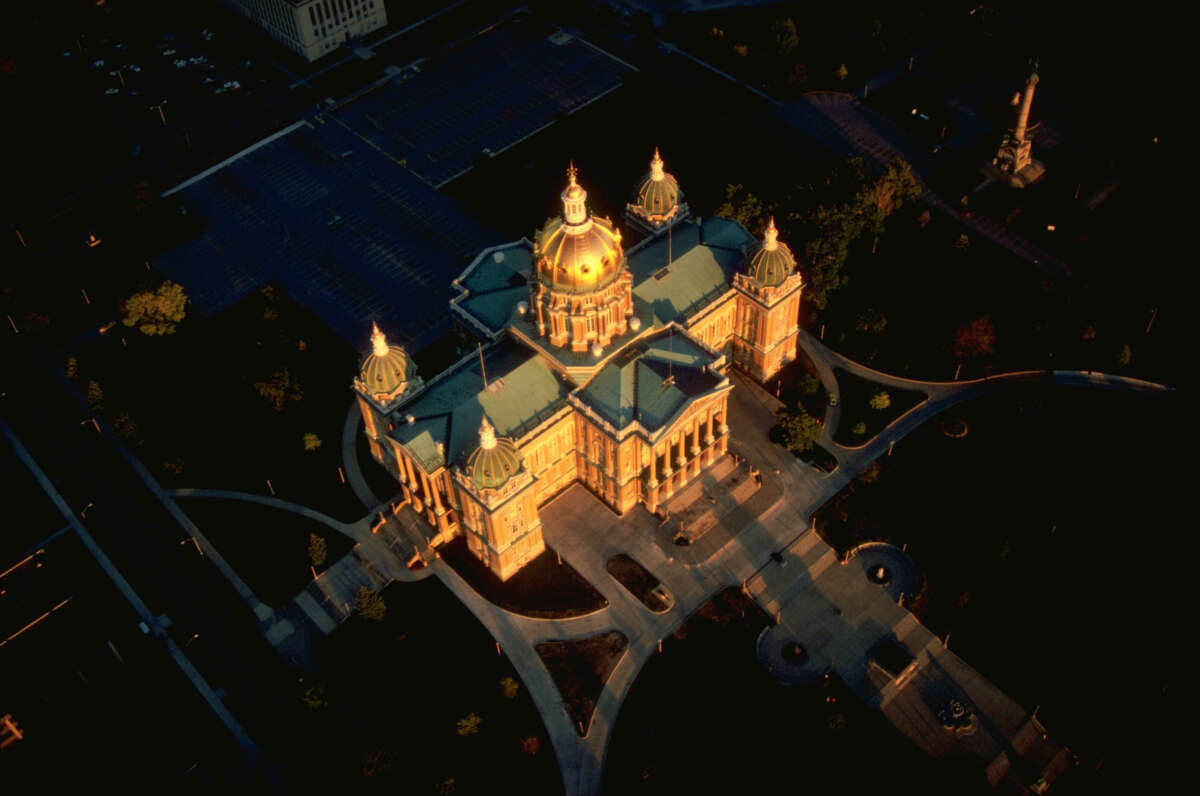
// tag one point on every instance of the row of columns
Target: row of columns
(428, 501)
(704, 451)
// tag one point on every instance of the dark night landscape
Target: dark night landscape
(595, 398)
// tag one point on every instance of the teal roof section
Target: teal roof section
(650, 381)
(704, 257)
(490, 288)
(522, 392)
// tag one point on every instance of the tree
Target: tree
(871, 320)
(509, 687)
(859, 428)
(95, 395)
(469, 725)
(279, 389)
(72, 368)
(314, 698)
(787, 41)
(318, 550)
(126, 429)
(800, 430)
(841, 73)
(311, 441)
(1124, 356)
(809, 384)
(156, 312)
(975, 339)
(744, 208)
(887, 194)
(530, 745)
(370, 605)
(880, 401)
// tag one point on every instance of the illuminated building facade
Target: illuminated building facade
(313, 28)
(595, 365)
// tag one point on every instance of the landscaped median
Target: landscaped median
(640, 583)
(580, 668)
(868, 407)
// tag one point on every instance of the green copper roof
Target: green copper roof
(698, 272)
(522, 392)
(650, 381)
(496, 286)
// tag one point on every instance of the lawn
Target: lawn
(422, 698)
(580, 669)
(187, 403)
(705, 717)
(1039, 533)
(266, 546)
(868, 407)
(545, 587)
(638, 580)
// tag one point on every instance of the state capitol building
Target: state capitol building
(596, 364)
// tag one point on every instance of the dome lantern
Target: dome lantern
(574, 200)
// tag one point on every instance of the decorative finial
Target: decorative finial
(378, 341)
(771, 236)
(571, 172)
(487, 435)
(656, 166)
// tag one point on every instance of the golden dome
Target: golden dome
(658, 194)
(577, 252)
(771, 262)
(495, 460)
(387, 371)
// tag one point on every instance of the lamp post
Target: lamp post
(161, 115)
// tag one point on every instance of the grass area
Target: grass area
(580, 669)
(820, 458)
(750, 43)
(798, 383)
(700, 712)
(868, 407)
(421, 703)
(1049, 490)
(638, 580)
(188, 403)
(268, 547)
(542, 588)
(23, 498)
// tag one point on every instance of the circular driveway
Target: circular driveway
(888, 567)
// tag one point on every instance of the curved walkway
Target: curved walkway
(353, 531)
(350, 458)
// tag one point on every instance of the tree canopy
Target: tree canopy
(369, 604)
(800, 430)
(975, 339)
(156, 312)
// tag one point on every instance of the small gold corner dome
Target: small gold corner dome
(771, 262)
(387, 370)
(495, 460)
(658, 195)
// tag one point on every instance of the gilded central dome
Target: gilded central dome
(578, 252)
(771, 261)
(495, 460)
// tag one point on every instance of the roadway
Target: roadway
(203, 621)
